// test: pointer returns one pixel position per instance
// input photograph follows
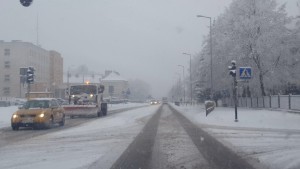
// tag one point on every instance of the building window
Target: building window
(6, 52)
(7, 64)
(6, 78)
(6, 91)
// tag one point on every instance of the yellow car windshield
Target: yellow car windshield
(36, 104)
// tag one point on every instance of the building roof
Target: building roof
(113, 76)
(77, 78)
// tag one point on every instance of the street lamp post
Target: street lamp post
(190, 76)
(68, 76)
(211, 69)
(178, 87)
(183, 82)
(68, 82)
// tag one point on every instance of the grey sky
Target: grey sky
(141, 39)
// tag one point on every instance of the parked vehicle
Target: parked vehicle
(4, 103)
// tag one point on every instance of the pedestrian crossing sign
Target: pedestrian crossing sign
(245, 73)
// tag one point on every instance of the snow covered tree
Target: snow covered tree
(176, 92)
(259, 29)
(139, 90)
(254, 33)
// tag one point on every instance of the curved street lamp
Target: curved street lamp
(211, 69)
(183, 82)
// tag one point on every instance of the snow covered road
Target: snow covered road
(170, 140)
(265, 139)
(102, 139)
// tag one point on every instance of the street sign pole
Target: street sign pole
(23, 74)
(28, 91)
(245, 73)
(235, 98)
(29, 79)
(232, 72)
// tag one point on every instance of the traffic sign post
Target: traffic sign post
(23, 75)
(26, 3)
(232, 72)
(29, 79)
(245, 73)
(30, 75)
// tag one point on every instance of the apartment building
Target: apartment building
(56, 69)
(17, 54)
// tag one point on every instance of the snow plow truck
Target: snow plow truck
(85, 100)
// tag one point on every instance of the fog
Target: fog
(141, 39)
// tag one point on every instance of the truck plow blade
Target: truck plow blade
(81, 111)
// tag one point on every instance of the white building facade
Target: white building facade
(115, 85)
(17, 54)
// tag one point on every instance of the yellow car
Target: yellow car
(38, 113)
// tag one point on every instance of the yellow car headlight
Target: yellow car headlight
(15, 116)
(42, 115)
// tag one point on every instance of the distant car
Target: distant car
(153, 102)
(164, 100)
(38, 113)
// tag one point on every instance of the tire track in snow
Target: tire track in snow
(138, 153)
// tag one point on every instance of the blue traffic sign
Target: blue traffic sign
(245, 73)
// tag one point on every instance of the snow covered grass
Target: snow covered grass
(270, 137)
(5, 115)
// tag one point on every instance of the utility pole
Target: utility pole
(183, 83)
(190, 76)
(211, 58)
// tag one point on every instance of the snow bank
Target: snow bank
(5, 115)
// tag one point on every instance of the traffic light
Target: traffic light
(232, 68)
(26, 3)
(30, 75)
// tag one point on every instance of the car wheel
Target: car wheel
(104, 109)
(15, 127)
(62, 123)
(49, 124)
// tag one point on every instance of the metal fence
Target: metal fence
(291, 102)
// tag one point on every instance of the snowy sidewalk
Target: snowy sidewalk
(255, 118)
(269, 137)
